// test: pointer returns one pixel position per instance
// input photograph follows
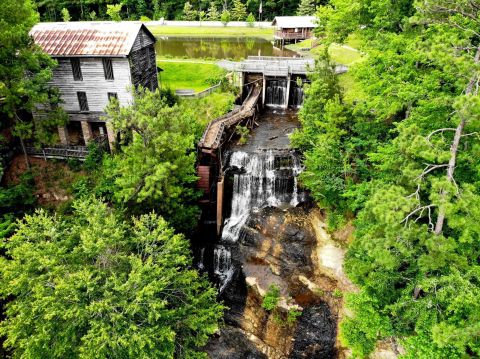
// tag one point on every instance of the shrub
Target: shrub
(250, 20)
(243, 132)
(293, 314)
(225, 17)
(272, 297)
(94, 157)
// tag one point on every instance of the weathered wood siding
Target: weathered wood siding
(143, 68)
(143, 64)
(94, 83)
(142, 40)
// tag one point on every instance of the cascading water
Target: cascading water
(200, 264)
(222, 265)
(261, 179)
(276, 93)
(296, 96)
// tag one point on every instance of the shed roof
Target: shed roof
(290, 22)
(85, 38)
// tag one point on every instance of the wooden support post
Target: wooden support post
(86, 131)
(63, 134)
(264, 89)
(287, 95)
(110, 134)
(220, 204)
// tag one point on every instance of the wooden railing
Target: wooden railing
(66, 152)
(193, 94)
(63, 152)
(292, 35)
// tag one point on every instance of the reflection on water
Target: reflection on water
(235, 48)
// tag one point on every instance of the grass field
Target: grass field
(188, 75)
(159, 30)
(343, 54)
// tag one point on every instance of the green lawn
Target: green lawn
(159, 30)
(188, 75)
(343, 54)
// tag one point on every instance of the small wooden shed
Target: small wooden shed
(293, 28)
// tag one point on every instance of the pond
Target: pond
(235, 48)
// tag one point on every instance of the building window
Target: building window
(82, 100)
(112, 95)
(107, 69)
(76, 69)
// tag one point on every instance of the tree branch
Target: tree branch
(421, 209)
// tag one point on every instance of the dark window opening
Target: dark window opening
(76, 69)
(82, 101)
(112, 95)
(108, 69)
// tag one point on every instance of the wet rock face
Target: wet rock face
(275, 247)
(233, 343)
(315, 334)
(281, 241)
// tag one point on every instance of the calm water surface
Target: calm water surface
(235, 48)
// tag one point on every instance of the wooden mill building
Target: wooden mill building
(293, 28)
(97, 61)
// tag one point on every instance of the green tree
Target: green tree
(24, 74)
(239, 11)
(114, 12)
(92, 285)
(403, 157)
(213, 14)
(189, 14)
(250, 20)
(156, 166)
(66, 15)
(225, 17)
(306, 8)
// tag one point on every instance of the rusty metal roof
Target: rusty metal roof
(82, 38)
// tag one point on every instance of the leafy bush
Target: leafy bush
(225, 17)
(169, 96)
(250, 20)
(243, 132)
(94, 157)
(272, 297)
(293, 314)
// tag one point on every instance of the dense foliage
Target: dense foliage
(24, 74)
(94, 286)
(404, 158)
(154, 168)
(52, 10)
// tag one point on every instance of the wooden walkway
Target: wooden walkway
(212, 137)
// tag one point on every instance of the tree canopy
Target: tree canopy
(24, 74)
(52, 10)
(403, 159)
(155, 166)
(93, 285)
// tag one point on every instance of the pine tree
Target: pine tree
(306, 8)
(189, 14)
(213, 14)
(239, 11)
